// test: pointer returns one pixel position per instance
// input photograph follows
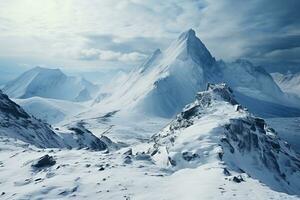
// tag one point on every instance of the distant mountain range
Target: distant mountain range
(50, 83)
(168, 80)
(288, 82)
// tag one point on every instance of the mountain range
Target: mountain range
(50, 83)
(168, 80)
(182, 125)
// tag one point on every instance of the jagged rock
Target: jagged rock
(127, 160)
(238, 179)
(234, 136)
(189, 156)
(128, 152)
(16, 123)
(44, 161)
(226, 172)
(84, 138)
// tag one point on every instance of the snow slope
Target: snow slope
(216, 132)
(50, 83)
(168, 80)
(15, 123)
(288, 128)
(289, 82)
(214, 149)
(50, 110)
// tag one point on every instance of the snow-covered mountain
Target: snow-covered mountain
(216, 132)
(52, 111)
(168, 80)
(50, 83)
(289, 82)
(213, 149)
(15, 123)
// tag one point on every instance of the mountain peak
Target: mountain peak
(189, 46)
(43, 69)
(188, 34)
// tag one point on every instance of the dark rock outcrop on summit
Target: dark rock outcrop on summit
(239, 140)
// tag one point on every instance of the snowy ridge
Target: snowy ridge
(169, 79)
(50, 83)
(216, 130)
(17, 124)
(289, 82)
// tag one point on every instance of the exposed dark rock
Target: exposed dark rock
(44, 161)
(172, 162)
(127, 160)
(189, 156)
(226, 172)
(128, 152)
(238, 179)
(101, 169)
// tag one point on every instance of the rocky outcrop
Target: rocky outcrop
(215, 128)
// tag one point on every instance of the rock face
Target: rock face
(44, 161)
(16, 123)
(84, 138)
(216, 130)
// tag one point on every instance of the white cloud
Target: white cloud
(55, 31)
(107, 55)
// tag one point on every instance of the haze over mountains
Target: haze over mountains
(144, 131)
(50, 83)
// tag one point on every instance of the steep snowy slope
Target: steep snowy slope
(17, 124)
(168, 80)
(216, 132)
(214, 149)
(251, 80)
(289, 82)
(50, 83)
(50, 110)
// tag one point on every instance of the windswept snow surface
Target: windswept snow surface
(125, 145)
(138, 172)
(51, 110)
(50, 83)
(16, 124)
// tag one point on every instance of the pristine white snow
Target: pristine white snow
(122, 145)
(50, 83)
(170, 79)
(51, 110)
(289, 82)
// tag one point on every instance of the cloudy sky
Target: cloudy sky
(106, 34)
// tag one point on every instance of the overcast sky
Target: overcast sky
(89, 34)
